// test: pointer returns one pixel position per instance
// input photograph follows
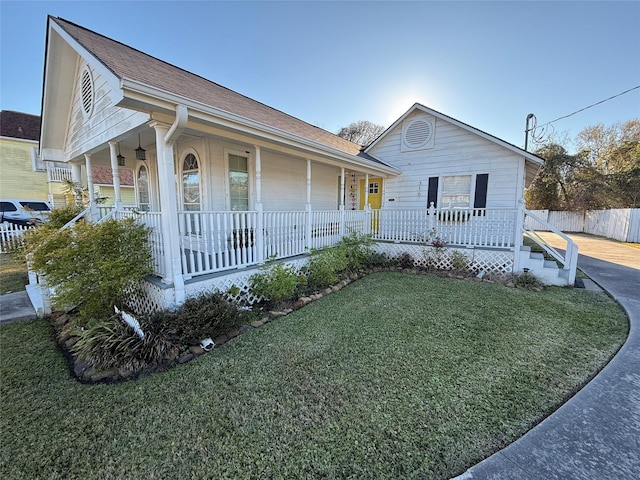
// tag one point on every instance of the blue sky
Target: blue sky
(487, 64)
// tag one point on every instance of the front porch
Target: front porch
(212, 242)
(220, 250)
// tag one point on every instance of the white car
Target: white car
(24, 212)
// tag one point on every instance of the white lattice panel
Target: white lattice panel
(496, 261)
(236, 284)
(153, 298)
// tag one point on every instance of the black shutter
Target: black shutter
(480, 198)
(432, 192)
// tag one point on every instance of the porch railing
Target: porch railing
(217, 241)
(58, 174)
(569, 259)
(478, 227)
(153, 220)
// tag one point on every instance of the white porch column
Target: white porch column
(76, 179)
(366, 191)
(169, 211)
(115, 174)
(341, 188)
(260, 220)
(342, 201)
(92, 194)
(113, 154)
(307, 234)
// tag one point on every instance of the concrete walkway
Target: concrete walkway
(15, 307)
(596, 434)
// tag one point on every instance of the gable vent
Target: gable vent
(418, 134)
(86, 90)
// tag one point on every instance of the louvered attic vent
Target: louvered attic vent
(417, 134)
(86, 90)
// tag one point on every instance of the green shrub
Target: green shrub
(528, 281)
(93, 266)
(59, 217)
(208, 315)
(459, 261)
(376, 259)
(325, 266)
(113, 343)
(356, 248)
(277, 282)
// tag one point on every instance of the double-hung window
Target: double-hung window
(458, 191)
(238, 182)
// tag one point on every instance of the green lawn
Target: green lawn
(395, 376)
(13, 274)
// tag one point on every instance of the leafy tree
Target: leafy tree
(605, 173)
(553, 188)
(362, 132)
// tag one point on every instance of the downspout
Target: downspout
(179, 124)
(171, 221)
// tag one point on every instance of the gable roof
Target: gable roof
(532, 158)
(19, 125)
(127, 63)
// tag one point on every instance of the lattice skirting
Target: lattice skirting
(153, 297)
(236, 285)
(477, 260)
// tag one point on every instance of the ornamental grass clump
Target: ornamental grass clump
(112, 343)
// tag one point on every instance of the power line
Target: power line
(589, 106)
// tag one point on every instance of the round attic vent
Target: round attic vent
(418, 133)
(86, 91)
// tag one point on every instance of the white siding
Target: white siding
(455, 152)
(284, 177)
(106, 121)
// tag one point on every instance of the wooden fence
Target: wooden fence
(620, 224)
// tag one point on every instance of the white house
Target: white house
(226, 181)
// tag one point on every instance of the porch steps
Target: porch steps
(546, 270)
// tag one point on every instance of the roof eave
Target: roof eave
(137, 94)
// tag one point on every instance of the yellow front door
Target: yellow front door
(375, 193)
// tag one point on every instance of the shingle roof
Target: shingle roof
(128, 63)
(19, 125)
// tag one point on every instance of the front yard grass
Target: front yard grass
(395, 376)
(13, 274)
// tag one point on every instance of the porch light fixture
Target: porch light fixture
(141, 153)
(120, 157)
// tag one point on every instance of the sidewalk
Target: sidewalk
(596, 434)
(15, 307)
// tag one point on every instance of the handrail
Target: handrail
(570, 259)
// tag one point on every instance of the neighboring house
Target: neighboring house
(103, 183)
(227, 181)
(23, 174)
